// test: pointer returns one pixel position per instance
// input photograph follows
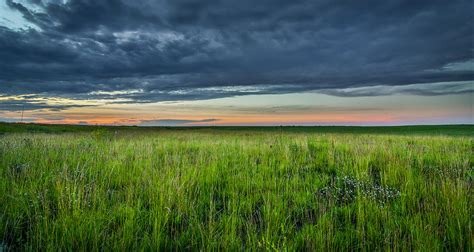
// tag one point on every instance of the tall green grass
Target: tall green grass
(235, 189)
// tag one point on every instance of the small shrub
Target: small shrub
(17, 169)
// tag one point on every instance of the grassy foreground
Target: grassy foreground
(95, 188)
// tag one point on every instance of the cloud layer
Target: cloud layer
(148, 51)
(176, 122)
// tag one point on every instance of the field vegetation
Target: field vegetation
(278, 188)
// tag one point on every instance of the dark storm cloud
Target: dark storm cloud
(195, 49)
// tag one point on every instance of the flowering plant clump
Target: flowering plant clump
(344, 190)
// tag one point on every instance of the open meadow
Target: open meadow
(251, 188)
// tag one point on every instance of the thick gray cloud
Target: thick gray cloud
(198, 49)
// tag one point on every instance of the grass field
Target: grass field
(279, 188)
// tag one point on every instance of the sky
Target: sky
(222, 62)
